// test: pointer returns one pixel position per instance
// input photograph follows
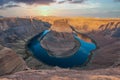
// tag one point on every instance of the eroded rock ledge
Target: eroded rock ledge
(65, 74)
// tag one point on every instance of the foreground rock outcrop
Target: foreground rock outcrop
(65, 74)
(10, 62)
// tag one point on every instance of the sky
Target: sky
(86, 8)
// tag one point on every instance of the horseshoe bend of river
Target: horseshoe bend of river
(80, 57)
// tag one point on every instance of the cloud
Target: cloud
(77, 1)
(72, 1)
(2, 2)
(14, 3)
(9, 6)
(46, 2)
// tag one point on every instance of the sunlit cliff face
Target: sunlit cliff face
(61, 26)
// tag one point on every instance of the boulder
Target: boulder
(10, 62)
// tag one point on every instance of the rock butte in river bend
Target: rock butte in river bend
(60, 42)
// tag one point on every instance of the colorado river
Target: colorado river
(79, 58)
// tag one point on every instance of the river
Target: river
(78, 59)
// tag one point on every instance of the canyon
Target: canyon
(104, 65)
